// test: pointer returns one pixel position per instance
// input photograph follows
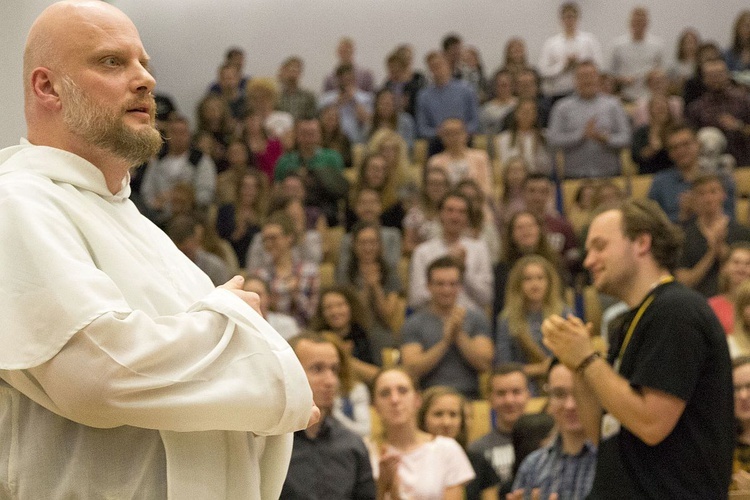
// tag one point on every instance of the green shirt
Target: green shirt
(291, 162)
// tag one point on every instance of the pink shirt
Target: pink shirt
(724, 310)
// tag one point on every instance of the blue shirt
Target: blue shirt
(669, 184)
(436, 104)
(554, 471)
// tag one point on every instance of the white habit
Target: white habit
(123, 372)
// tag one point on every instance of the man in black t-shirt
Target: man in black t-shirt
(663, 412)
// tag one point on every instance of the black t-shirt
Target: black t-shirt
(678, 347)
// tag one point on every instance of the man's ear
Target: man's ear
(45, 87)
(642, 243)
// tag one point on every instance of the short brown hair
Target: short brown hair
(445, 262)
(645, 216)
(504, 369)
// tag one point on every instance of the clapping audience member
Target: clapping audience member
(239, 220)
(368, 208)
(725, 107)
(177, 163)
(353, 104)
(332, 136)
(231, 88)
(707, 236)
(734, 272)
(524, 235)
(589, 127)
(345, 54)
(648, 148)
(295, 100)
(388, 115)
(532, 294)
(340, 311)
(213, 116)
(320, 169)
(469, 253)
(408, 462)
(445, 343)
(366, 269)
(737, 56)
(525, 139)
(562, 53)
(481, 217)
(402, 80)
(235, 167)
(514, 172)
(460, 161)
(265, 150)
(634, 55)
(657, 84)
(694, 87)
(444, 98)
(294, 283)
(670, 188)
(565, 467)
(421, 222)
(308, 237)
(493, 112)
(444, 413)
(471, 70)
(516, 59)
(685, 61)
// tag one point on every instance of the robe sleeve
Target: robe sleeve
(219, 366)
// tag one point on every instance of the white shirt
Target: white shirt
(631, 58)
(478, 276)
(554, 59)
(427, 471)
(126, 373)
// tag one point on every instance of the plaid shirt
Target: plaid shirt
(554, 471)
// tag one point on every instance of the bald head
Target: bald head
(63, 28)
(87, 89)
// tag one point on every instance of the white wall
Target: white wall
(187, 38)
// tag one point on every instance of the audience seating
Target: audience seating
(640, 184)
(419, 153)
(742, 180)
(327, 271)
(331, 243)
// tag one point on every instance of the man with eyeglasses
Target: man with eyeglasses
(671, 187)
(566, 465)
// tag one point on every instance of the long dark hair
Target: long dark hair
(352, 271)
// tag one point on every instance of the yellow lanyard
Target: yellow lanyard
(637, 318)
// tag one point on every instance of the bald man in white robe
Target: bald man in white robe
(123, 372)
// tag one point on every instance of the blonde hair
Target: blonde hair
(429, 396)
(516, 309)
(395, 177)
(262, 86)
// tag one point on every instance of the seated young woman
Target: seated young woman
(406, 461)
